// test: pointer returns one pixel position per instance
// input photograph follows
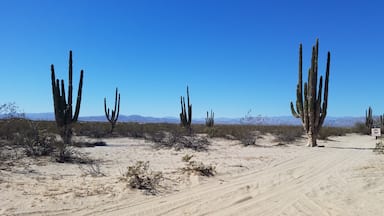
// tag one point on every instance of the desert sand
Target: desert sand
(344, 178)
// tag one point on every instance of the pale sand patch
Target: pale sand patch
(343, 178)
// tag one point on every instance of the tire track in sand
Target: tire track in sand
(270, 191)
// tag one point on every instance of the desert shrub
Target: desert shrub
(8, 153)
(91, 169)
(187, 157)
(210, 131)
(67, 154)
(180, 141)
(199, 168)
(139, 176)
(248, 138)
(10, 110)
(27, 135)
(361, 128)
(92, 129)
(286, 134)
(37, 144)
(10, 127)
(326, 132)
(379, 148)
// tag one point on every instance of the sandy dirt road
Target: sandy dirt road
(343, 178)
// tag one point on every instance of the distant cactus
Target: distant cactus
(115, 112)
(308, 105)
(63, 108)
(210, 120)
(369, 118)
(186, 115)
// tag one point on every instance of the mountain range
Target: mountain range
(257, 120)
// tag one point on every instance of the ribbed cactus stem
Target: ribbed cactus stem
(369, 118)
(210, 120)
(115, 112)
(186, 115)
(63, 107)
(311, 107)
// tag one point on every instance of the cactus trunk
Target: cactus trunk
(311, 107)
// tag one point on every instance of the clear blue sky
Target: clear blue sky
(234, 55)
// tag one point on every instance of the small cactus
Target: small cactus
(115, 112)
(369, 118)
(186, 115)
(210, 120)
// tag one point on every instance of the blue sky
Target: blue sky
(234, 55)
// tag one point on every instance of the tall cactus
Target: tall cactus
(210, 120)
(63, 108)
(308, 105)
(115, 112)
(185, 115)
(369, 119)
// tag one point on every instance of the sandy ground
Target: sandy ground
(343, 178)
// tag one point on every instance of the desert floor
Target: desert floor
(344, 178)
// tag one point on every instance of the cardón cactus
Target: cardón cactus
(210, 120)
(185, 115)
(63, 107)
(309, 106)
(115, 112)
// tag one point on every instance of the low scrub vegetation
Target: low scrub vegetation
(192, 166)
(180, 141)
(327, 132)
(379, 148)
(39, 138)
(140, 176)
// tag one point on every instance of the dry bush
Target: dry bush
(379, 148)
(9, 128)
(28, 135)
(92, 129)
(9, 154)
(187, 157)
(199, 168)
(288, 135)
(326, 132)
(92, 169)
(361, 128)
(180, 141)
(36, 142)
(67, 154)
(139, 176)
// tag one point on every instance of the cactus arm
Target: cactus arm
(114, 112)
(326, 87)
(306, 115)
(118, 107)
(299, 91)
(318, 114)
(70, 89)
(294, 113)
(78, 99)
(106, 110)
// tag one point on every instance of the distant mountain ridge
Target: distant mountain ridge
(258, 120)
